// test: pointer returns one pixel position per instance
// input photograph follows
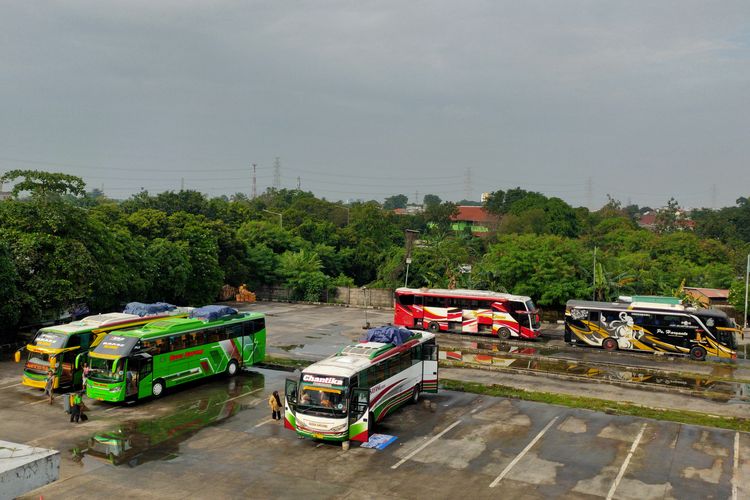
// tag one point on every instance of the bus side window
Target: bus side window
(416, 354)
(176, 343)
(235, 331)
(74, 341)
(212, 335)
(406, 300)
(85, 340)
(418, 300)
(404, 360)
(594, 316)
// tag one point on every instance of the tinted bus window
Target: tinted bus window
(406, 300)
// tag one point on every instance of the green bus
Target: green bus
(134, 364)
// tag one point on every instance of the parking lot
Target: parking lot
(216, 440)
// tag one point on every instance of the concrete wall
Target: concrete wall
(24, 468)
(374, 297)
(354, 297)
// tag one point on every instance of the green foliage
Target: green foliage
(43, 184)
(396, 201)
(549, 268)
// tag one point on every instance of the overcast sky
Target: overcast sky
(362, 100)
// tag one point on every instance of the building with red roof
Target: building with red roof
(476, 218)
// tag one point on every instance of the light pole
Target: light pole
(281, 217)
(594, 281)
(364, 292)
(406, 279)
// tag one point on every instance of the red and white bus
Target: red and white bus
(467, 311)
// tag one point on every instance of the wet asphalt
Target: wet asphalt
(215, 439)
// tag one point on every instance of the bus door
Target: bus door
(429, 367)
(139, 375)
(290, 403)
(359, 414)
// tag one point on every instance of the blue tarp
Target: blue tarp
(388, 335)
(211, 313)
(142, 309)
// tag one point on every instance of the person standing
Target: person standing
(75, 407)
(86, 371)
(275, 403)
(49, 386)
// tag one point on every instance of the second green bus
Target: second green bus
(134, 364)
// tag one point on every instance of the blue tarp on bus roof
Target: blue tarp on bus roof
(388, 335)
(141, 309)
(213, 312)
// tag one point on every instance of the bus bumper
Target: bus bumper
(37, 384)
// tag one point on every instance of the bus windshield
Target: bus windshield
(116, 345)
(322, 400)
(101, 369)
(50, 340)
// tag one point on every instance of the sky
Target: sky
(641, 100)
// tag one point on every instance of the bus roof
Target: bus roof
(644, 306)
(354, 358)
(92, 323)
(176, 325)
(461, 292)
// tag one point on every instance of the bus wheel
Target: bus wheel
(697, 353)
(503, 333)
(609, 344)
(158, 388)
(232, 368)
(415, 394)
(434, 327)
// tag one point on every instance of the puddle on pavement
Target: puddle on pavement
(290, 347)
(135, 442)
(508, 356)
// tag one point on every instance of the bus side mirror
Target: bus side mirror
(17, 356)
(114, 366)
(53, 362)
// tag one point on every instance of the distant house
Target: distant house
(477, 219)
(4, 195)
(409, 210)
(683, 221)
(708, 296)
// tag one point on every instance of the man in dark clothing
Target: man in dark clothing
(76, 408)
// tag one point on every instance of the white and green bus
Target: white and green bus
(342, 397)
(134, 364)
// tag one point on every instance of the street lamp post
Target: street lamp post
(281, 217)
(406, 279)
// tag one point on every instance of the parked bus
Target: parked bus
(467, 311)
(138, 363)
(342, 397)
(64, 348)
(657, 327)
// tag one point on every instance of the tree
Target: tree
(431, 200)
(396, 201)
(42, 184)
(666, 218)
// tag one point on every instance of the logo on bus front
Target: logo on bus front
(315, 379)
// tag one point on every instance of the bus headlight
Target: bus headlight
(339, 428)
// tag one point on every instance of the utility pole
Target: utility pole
(593, 295)
(747, 281)
(255, 190)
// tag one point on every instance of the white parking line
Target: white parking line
(263, 423)
(523, 452)
(241, 395)
(45, 400)
(736, 465)
(9, 386)
(625, 463)
(403, 460)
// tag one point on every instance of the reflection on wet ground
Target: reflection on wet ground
(134, 442)
(718, 385)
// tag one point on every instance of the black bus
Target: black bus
(670, 328)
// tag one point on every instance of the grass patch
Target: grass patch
(610, 407)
